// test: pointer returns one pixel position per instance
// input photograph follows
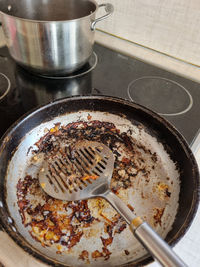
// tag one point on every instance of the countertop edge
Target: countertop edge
(150, 56)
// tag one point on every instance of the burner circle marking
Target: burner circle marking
(168, 83)
(5, 90)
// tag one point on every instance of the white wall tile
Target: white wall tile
(168, 26)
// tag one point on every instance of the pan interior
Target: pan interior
(153, 194)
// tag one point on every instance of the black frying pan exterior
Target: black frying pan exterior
(157, 126)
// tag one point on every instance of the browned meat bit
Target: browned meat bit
(22, 204)
(126, 160)
(158, 215)
(74, 239)
(141, 160)
(130, 207)
(106, 241)
(97, 254)
(106, 253)
(163, 190)
(127, 141)
(154, 157)
(126, 252)
(168, 194)
(117, 224)
(108, 229)
(24, 185)
(89, 117)
(84, 256)
(82, 212)
(115, 190)
(120, 228)
(142, 195)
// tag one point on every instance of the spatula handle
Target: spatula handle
(158, 248)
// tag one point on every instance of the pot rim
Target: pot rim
(52, 21)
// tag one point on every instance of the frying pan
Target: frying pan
(157, 132)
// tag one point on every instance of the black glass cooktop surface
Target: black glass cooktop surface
(107, 73)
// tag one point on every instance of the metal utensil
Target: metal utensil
(93, 163)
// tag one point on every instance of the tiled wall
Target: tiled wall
(168, 26)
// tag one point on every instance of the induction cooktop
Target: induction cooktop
(107, 72)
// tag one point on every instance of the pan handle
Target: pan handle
(109, 9)
(195, 145)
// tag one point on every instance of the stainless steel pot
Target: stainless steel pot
(48, 36)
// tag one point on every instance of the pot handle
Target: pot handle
(109, 10)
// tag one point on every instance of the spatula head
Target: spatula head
(77, 173)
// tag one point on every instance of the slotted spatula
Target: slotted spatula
(87, 174)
